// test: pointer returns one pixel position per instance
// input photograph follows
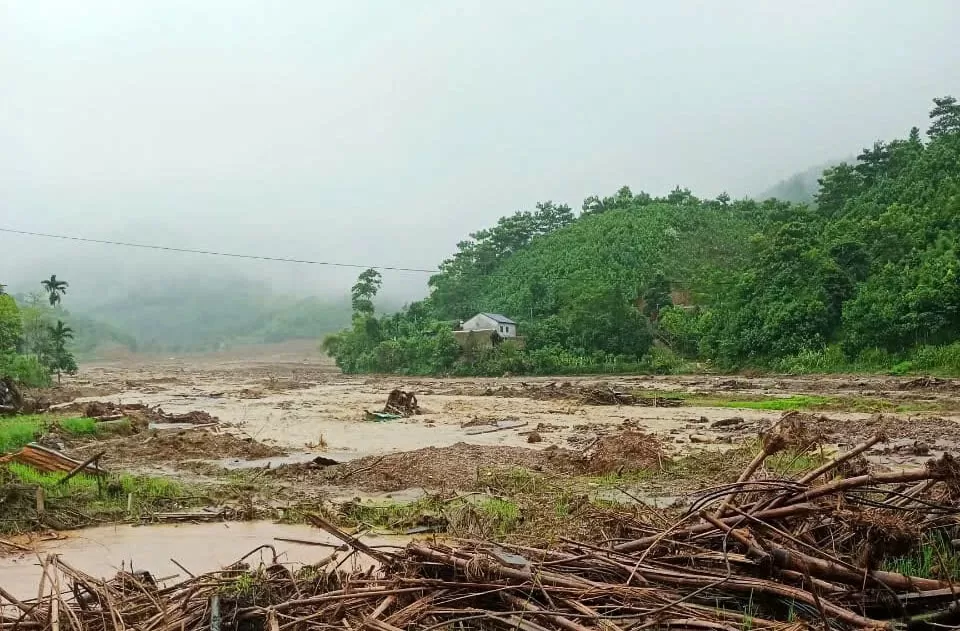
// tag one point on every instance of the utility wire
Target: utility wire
(212, 253)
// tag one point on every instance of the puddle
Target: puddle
(198, 547)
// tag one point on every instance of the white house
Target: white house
(503, 325)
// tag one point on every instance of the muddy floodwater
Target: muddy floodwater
(298, 405)
(104, 550)
(284, 421)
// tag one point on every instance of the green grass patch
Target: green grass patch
(79, 426)
(798, 402)
(791, 463)
(393, 516)
(146, 487)
(505, 514)
(17, 431)
(513, 481)
(934, 558)
(613, 479)
(813, 403)
(81, 501)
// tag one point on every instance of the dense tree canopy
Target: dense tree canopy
(871, 266)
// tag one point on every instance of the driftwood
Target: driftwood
(402, 403)
(760, 553)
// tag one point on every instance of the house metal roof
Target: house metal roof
(502, 319)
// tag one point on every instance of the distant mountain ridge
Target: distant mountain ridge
(214, 314)
(800, 187)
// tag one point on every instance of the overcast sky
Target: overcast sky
(384, 132)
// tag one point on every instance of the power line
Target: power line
(212, 253)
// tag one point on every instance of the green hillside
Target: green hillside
(575, 286)
(866, 278)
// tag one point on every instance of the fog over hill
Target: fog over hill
(379, 133)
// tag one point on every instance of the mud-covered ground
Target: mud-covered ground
(279, 435)
(290, 408)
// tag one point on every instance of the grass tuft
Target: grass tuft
(798, 402)
(81, 501)
(934, 558)
(17, 431)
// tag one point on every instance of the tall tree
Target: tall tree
(945, 116)
(55, 289)
(61, 359)
(11, 324)
(364, 291)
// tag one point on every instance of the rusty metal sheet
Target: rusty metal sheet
(48, 460)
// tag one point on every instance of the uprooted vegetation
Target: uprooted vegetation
(143, 414)
(584, 395)
(177, 446)
(463, 466)
(814, 549)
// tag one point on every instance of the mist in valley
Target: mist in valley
(381, 134)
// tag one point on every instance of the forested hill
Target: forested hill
(580, 284)
(865, 276)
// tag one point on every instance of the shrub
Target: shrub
(25, 370)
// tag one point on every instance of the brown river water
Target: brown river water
(104, 550)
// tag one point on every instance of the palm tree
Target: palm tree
(60, 334)
(63, 360)
(55, 288)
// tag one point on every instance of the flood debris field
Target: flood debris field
(698, 502)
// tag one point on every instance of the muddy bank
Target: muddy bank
(175, 446)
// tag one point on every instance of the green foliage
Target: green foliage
(78, 426)
(365, 290)
(945, 116)
(55, 289)
(61, 359)
(682, 329)
(585, 291)
(798, 402)
(11, 324)
(83, 499)
(17, 431)
(25, 370)
(874, 266)
(935, 557)
(863, 279)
